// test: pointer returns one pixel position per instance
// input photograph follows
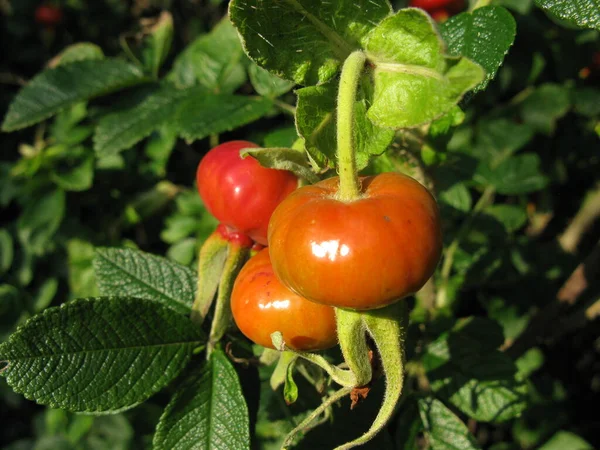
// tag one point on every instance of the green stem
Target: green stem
(286, 358)
(304, 425)
(349, 189)
(211, 259)
(442, 297)
(351, 331)
(480, 4)
(236, 257)
(387, 327)
(340, 376)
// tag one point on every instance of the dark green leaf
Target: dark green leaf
(208, 412)
(408, 425)
(132, 273)
(457, 196)
(415, 82)
(443, 429)
(587, 101)
(215, 61)
(159, 149)
(55, 89)
(203, 114)
(267, 84)
(584, 13)
(512, 217)
(545, 106)
(98, 355)
(40, 220)
(282, 137)
(324, 34)
(78, 174)
(122, 129)
(519, 174)
(465, 368)
(498, 139)
(284, 159)
(485, 36)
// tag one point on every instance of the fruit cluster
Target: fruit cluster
(323, 252)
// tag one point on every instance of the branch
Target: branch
(586, 273)
(583, 220)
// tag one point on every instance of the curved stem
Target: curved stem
(353, 66)
(340, 376)
(387, 327)
(352, 338)
(289, 439)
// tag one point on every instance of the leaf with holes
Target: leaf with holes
(132, 273)
(100, 354)
(207, 412)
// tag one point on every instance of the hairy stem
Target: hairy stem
(352, 337)
(304, 425)
(387, 327)
(353, 66)
(342, 377)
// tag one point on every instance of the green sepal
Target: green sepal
(351, 330)
(281, 158)
(286, 358)
(211, 261)
(237, 255)
(387, 327)
(290, 388)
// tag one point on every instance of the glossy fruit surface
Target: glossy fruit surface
(239, 192)
(262, 305)
(48, 15)
(363, 254)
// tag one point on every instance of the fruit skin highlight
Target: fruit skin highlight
(239, 192)
(361, 254)
(261, 305)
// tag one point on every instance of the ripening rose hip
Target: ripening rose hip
(261, 305)
(239, 192)
(363, 254)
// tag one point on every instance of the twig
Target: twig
(585, 274)
(583, 220)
